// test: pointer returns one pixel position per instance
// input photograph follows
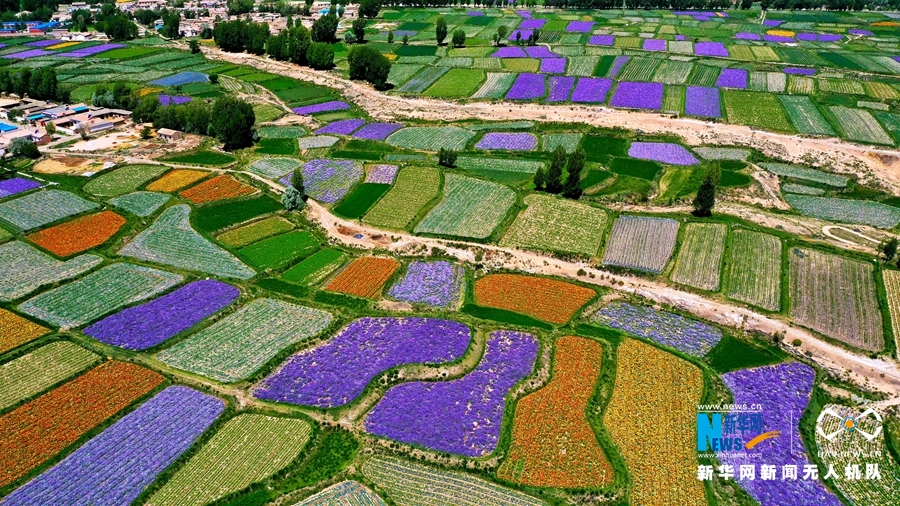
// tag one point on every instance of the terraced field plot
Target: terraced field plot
(42, 208)
(641, 243)
(577, 228)
(546, 299)
(364, 277)
(347, 493)
(754, 269)
(16, 331)
(470, 208)
(24, 269)
(431, 138)
(44, 367)
(140, 203)
(281, 250)
(122, 180)
(315, 268)
(835, 296)
(699, 260)
(256, 231)
(414, 188)
(865, 212)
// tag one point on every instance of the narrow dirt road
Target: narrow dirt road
(871, 164)
(876, 374)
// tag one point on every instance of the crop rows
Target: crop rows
(256, 231)
(44, 367)
(496, 85)
(867, 212)
(411, 484)
(23, 269)
(754, 269)
(176, 180)
(364, 277)
(123, 180)
(835, 296)
(98, 293)
(80, 234)
(477, 164)
(140, 203)
(42, 208)
(892, 287)
(805, 115)
(546, 299)
(577, 228)
(236, 346)
(221, 187)
(470, 208)
(700, 257)
(316, 267)
(414, 187)
(686, 335)
(247, 449)
(437, 284)
(16, 331)
(807, 174)
(273, 168)
(860, 125)
(346, 493)
(431, 138)
(423, 79)
(641, 243)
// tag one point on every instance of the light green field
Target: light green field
(700, 257)
(413, 188)
(576, 228)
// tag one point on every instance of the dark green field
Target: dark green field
(202, 157)
(281, 250)
(361, 200)
(214, 217)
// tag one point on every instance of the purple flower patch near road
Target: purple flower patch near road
(16, 185)
(512, 142)
(799, 71)
(783, 391)
(328, 180)
(747, 36)
(560, 87)
(474, 13)
(338, 371)
(341, 127)
(829, 37)
(382, 174)
(149, 324)
(807, 37)
(617, 65)
(553, 65)
(733, 78)
(524, 14)
(710, 49)
(668, 329)
(461, 416)
(702, 101)
(540, 52)
(773, 22)
(31, 53)
(43, 43)
(580, 26)
(637, 95)
(334, 105)
(90, 51)
(510, 52)
(654, 45)
(117, 465)
(173, 99)
(377, 131)
(856, 31)
(527, 87)
(438, 284)
(601, 40)
(665, 152)
(533, 24)
(591, 89)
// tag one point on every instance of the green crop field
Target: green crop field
(316, 267)
(577, 228)
(218, 216)
(756, 109)
(865, 212)
(361, 200)
(754, 269)
(805, 116)
(457, 83)
(31, 374)
(470, 208)
(413, 189)
(281, 250)
(202, 157)
(24, 269)
(256, 231)
(42, 208)
(140, 203)
(700, 257)
(431, 138)
(122, 180)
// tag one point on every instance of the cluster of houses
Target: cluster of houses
(35, 115)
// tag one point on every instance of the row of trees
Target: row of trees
(119, 96)
(241, 35)
(41, 84)
(551, 180)
(229, 119)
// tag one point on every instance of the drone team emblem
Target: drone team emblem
(849, 423)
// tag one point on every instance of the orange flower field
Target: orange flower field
(35, 432)
(544, 299)
(652, 419)
(176, 180)
(16, 331)
(364, 277)
(79, 234)
(553, 444)
(221, 187)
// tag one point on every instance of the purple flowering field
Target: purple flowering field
(591, 89)
(533, 23)
(553, 65)
(637, 95)
(474, 13)
(747, 36)
(527, 87)
(702, 101)
(31, 53)
(540, 52)
(668, 329)
(602, 40)
(525, 34)
(43, 43)
(818, 37)
(377, 131)
(773, 22)
(733, 78)
(328, 180)
(783, 390)
(654, 45)
(334, 105)
(510, 141)
(665, 152)
(560, 87)
(800, 71)
(338, 371)
(524, 14)
(857, 31)
(90, 51)
(17, 185)
(710, 49)
(438, 284)
(617, 65)
(461, 416)
(580, 26)
(341, 127)
(147, 325)
(383, 174)
(117, 465)
(173, 100)
(510, 52)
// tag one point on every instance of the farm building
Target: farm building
(167, 134)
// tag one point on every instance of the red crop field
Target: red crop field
(553, 444)
(79, 234)
(364, 277)
(218, 188)
(544, 299)
(38, 430)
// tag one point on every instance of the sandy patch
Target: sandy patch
(68, 165)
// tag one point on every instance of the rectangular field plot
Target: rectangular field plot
(98, 293)
(860, 126)
(279, 251)
(247, 449)
(805, 115)
(364, 277)
(413, 484)
(756, 109)
(315, 268)
(642, 243)
(423, 79)
(496, 85)
(892, 287)
(346, 493)
(16, 331)
(236, 346)
(42, 208)
(470, 208)
(754, 269)
(867, 212)
(123, 180)
(24, 269)
(414, 188)
(458, 83)
(44, 367)
(699, 261)
(577, 228)
(835, 296)
(256, 231)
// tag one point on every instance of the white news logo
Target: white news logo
(849, 424)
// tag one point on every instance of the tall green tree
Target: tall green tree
(889, 248)
(369, 8)
(502, 32)
(540, 177)
(232, 122)
(323, 29)
(459, 38)
(706, 194)
(359, 29)
(369, 64)
(554, 175)
(320, 56)
(575, 166)
(440, 30)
